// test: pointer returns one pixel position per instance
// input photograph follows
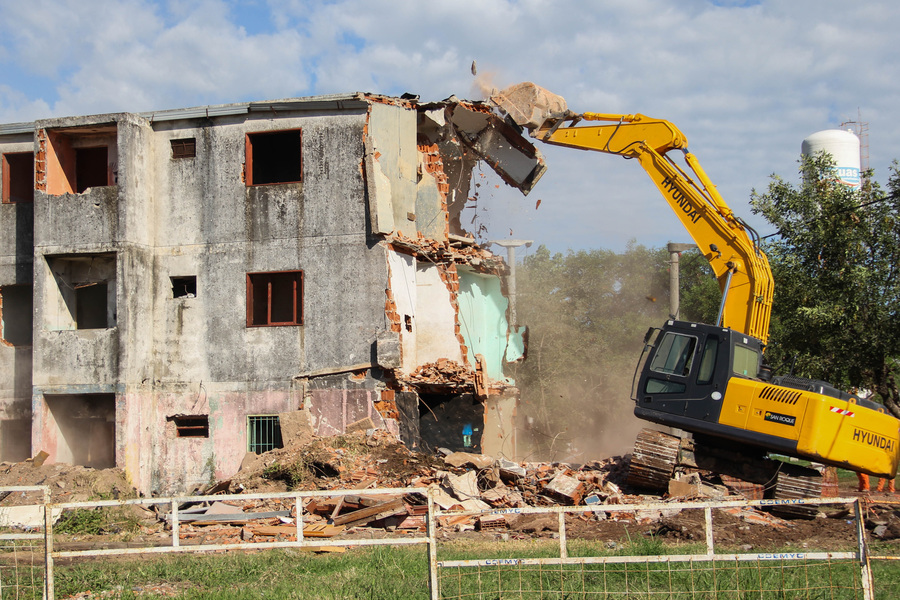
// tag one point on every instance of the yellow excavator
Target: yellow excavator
(709, 379)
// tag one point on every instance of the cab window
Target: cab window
(746, 361)
(658, 386)
(674, 354)
(708, 361)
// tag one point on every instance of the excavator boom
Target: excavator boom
(730, 246)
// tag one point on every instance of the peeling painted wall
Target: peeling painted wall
(482, 318)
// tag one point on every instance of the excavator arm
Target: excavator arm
(730, 246)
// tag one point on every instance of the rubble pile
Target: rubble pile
(368, 460)
(67, 483)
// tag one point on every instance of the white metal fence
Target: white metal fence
(27, 552)
(707, 573)
(25, 562)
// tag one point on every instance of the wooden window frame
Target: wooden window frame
(191, 426)
(255, 280)
(248, 155)
(184, 148)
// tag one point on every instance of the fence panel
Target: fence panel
(703, 573)
(572, 570)
(24, 565)
(884, 553)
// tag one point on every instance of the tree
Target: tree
(699, 289)
(836, 313)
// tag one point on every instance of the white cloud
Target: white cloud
(746, 81)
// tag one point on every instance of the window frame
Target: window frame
(249, 138)
(277, 440)
(183, 148)
(255, 279)
(190, 426)
(666, 349)
(740, 353)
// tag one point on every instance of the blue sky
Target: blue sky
(745, 80)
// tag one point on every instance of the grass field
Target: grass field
(394, 573)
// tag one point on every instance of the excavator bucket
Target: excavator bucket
(529, 105)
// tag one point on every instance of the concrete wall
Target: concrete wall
(167, 217)
(16, 250)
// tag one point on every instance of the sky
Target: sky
(745, 80)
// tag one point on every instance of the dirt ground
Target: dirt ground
(363, 460)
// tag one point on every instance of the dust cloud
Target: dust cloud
(587, 314)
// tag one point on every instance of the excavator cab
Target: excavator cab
(685, 369)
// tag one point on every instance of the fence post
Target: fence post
(49, 591)
(175, 524)
(563, 547)
(298, 503)
(868, 584)
(432, 548)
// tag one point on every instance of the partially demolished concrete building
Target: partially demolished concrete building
(172, 282)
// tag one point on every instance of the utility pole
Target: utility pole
(675, 251)
(511, 246)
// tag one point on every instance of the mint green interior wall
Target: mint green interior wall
(482, 320)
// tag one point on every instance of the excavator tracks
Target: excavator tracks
(793, 483)
(657, 455)
(653, 460)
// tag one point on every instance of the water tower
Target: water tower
(843, 146)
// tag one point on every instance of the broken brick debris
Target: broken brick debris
(460, 482)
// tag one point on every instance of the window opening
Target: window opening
(90, 305)
(274, 157)
(16, 439)
(79, 158)
(18, 177)
(91, 168)
(746, 361)
(184, 287)
(85, 293)
(16, 306)
(274, 298)
(191, 425)
(264, 433)
(675, 354)
(85, 429)
(184, 148)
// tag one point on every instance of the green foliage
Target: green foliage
(402, 572)
(836, 313)
(587, 314)
(699, 289)
(83, 521)
(294, 473)
(381, 572)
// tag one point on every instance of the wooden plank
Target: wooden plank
(372, 513)
(318, 530)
